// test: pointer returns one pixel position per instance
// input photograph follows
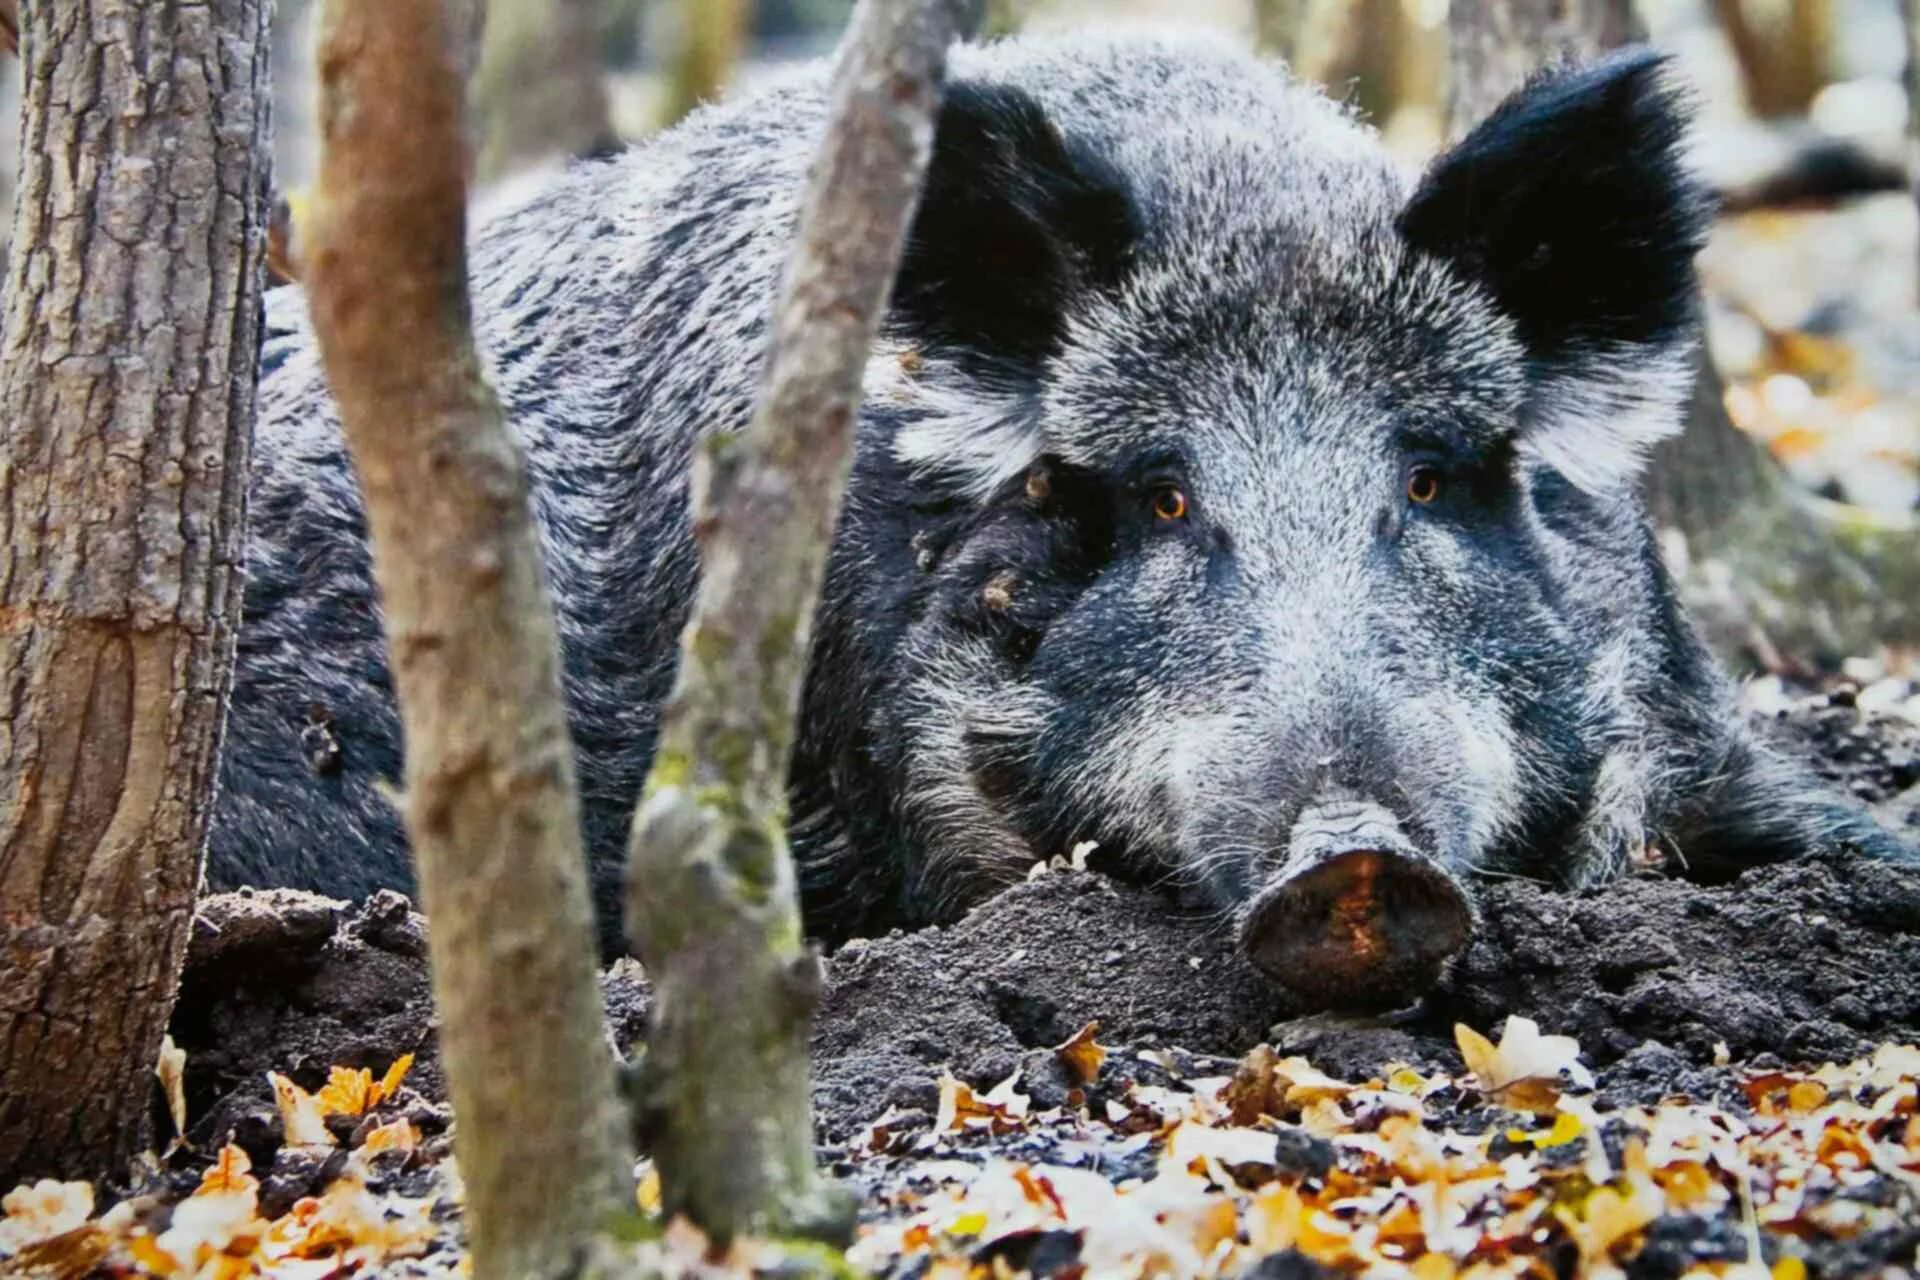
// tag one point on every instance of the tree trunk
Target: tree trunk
(711, 898)
(1771, 576)
(1496, 44)
(1774, 577)
(1783, 56)
(490, 804)
(1003, 18)
(538, 92)
(126, 411)
(706, 44)
(1910, 13)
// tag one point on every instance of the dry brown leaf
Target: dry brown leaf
(1082, 1055)
(1249, 1095)
(71, 1255)
(1001, 1109)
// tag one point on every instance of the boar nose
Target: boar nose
(1357, 917)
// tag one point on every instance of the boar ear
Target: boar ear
(1572, 206)
(1015, 231)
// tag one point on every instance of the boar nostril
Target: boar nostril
(1357, 918)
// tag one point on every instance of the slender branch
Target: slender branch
(491, 807)
(711, 904)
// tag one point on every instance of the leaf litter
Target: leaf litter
(1077, 1080)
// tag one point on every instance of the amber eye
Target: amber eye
(1423, 485)
(1169, 503)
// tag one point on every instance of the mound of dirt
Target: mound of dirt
(1809, 961)
(1657, 978)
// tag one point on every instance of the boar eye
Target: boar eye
(1423, 485)
(1169, 503)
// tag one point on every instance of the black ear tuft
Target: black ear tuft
(1014, 225)
(1572, 206)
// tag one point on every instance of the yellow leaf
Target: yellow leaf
(1434, 1266)
(1218, 1221)
(971, 1223)
(648, 1192)
(1806, 1095)
(390, 1082)
(1608, 1218)
(150, 1257)
(1404, 1079)
(1481, 1057)
(1566, 1128)
(347, 1092)
(1789, 1267)
(1275, 1219)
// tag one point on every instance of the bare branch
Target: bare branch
(711, 896)
(490, 804)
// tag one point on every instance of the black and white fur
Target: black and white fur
(1140, 264)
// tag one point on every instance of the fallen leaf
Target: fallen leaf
(1526, 1070)
(230, 1171)
(301, 1115)
(43, 1210)
(171, 1070)
(1082, 1055)
(398, 1134)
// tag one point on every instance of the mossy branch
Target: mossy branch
(712, 905)
(490, 801)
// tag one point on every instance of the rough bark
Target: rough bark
(538, 92)
(490, 803)
(711, 902)
(126, 411)
(707, 39)
(1496, 44)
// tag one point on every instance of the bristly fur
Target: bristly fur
(1140, 265)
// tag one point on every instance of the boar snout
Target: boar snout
(1357, 917)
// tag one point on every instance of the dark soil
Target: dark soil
(1656, 978)
(1808, 961)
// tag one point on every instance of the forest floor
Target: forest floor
(1081, 1079)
